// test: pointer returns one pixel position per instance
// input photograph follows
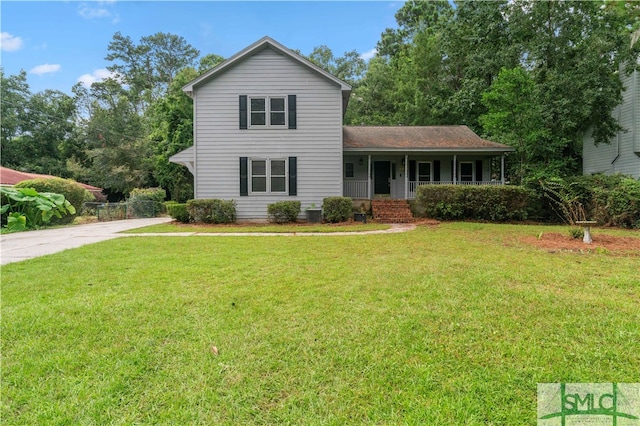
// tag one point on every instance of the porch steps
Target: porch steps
(391, 211)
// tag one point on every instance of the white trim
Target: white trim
(417, 176)
(268, 176)
(473, 171)
(267, 112)
(255, 48)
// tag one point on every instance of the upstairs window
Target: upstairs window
(268, 111)
(261, 112)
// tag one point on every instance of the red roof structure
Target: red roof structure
(11, 177)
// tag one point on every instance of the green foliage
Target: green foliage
(178, 211)
(283, 211)
(212, 210)
(74, 193)
(26, 208)
(337, 209)
(495, 203)
(564, 201)
(146, 202)
(610, 200)
(576, 232)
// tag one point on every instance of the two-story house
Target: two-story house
(268, 127)
(622, 154)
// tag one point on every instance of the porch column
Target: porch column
(406, 177)
(455, 169)
(502, 169)
(369, 186)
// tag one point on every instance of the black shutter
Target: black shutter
(478, 170)
(412, 169)
(244, 178)
(243, 112)
(293, 120)
(436, 171)
(293, 176)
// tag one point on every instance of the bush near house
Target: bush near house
(610, 200)
(75, 194)
(212, 210)
(178, 211)
(283, 211)
(491, 203)
(337, 209)
(146, 202)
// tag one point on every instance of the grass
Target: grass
(454, 324)
(262, 228)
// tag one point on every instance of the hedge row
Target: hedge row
(494, 203)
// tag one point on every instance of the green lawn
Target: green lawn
(262, 228)
(454, 324)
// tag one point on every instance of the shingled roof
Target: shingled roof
(11, 177)
(417, 138)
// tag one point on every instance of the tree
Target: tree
(14, 97)
(113, 134)
(515, 118)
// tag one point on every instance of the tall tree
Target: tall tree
(113, 133)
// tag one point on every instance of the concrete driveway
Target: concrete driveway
(27, 245)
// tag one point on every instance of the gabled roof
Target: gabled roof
(263, 43)
(417, 138)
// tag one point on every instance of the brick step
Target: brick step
(391, 211)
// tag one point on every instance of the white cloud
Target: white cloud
(370, 54)
(98, 75)
(10, 43)
(45, 69)
(96, 12)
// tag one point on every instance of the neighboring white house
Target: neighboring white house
(622, 154)
(268, 127)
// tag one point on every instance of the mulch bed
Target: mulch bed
(558, 242)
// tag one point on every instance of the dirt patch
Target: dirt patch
(558, 242)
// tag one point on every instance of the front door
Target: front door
(381, 177)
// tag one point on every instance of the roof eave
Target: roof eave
(496, 150)
(256, 47)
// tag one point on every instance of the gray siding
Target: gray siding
(622, 155)
(317, 141)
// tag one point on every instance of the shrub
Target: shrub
(146, 202)
(612, 200)
(212, 210)
(283, 211)
(494, 203)
(178, 211)
(337, 209)
(74, 193)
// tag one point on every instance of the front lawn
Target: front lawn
(454, 324)
(259, 228)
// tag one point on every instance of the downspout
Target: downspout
(635, 124)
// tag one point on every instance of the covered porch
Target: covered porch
(392, 162)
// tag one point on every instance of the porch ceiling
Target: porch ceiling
(445, 139)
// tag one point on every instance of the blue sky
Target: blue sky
(60, 43)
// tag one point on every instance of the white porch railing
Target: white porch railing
(413, 185)
(358, 189)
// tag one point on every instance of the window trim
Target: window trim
(417, 176)
(353, 170)
(473, 171)
(268, 175)
(267, 112)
